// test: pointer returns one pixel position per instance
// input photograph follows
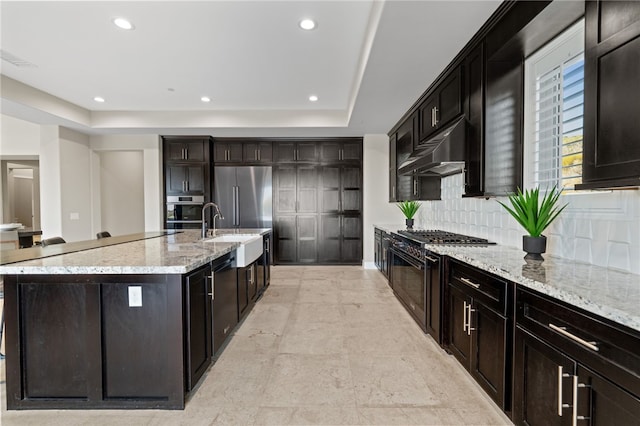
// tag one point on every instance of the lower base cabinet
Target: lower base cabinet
(225, 300)
(571, 368)
(197, 308)
(479, 329)
(247, 289)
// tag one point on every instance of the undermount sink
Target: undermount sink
(249, 250)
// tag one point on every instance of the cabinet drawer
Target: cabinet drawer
(609, 349)
(481, 286)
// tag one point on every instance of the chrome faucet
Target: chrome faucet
(218, 213)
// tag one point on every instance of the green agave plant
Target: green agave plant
(409, 208)
(534, 215)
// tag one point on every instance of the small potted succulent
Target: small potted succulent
(409, 209)
(535, 215)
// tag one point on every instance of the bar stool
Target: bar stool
(52, 240)
(103, 234)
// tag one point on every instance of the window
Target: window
(554, 112)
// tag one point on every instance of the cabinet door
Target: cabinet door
(377, 252)
(219, 152)
(330, 151)
(285, 189)
(285, 239)
(602, 403)
(331, 231)
(234, 152)
(350, 189)
(352, 151)
(284, 151)
(198, 333)
(459, 339)
(174, 151)
(392, 169)
(250, 152)
(474, 90)
(449, 99)
(307, 238)
(307, 151)
(176, 177)
(434, 298)
(351, 243)
(307, 189)
(542, 383)
(186, 150)
(489, 348)
(225, 304)
(265, 152)
(428, 115)
(612, 67)
(243, 291)
(196, 179)
(330, 188)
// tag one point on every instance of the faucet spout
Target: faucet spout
(218, 213)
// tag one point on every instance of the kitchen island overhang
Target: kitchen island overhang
(106, 327)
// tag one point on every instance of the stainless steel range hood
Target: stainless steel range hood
(443, 154)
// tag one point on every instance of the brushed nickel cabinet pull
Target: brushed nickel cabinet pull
(469, 328)
(213, 286)
(435, 116)
(561, 375)
(433, 259)
(469, 282)
(464, 317)
(563, 330)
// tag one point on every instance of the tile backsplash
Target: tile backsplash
(601, 228)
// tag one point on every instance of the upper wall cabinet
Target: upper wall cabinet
(444, 104)
(612, 94)
(287, 152)
(227, 152)
(339, 151)
(181, 149)
(474, 111)
(186, 165)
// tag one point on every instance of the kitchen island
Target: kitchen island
(122, 325)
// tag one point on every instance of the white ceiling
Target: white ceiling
(367, 61)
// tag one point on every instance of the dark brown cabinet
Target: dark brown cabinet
(479, 329)
(257, 152)
(340, 151)
(611, 155)
(393, 159)
(186, 165)
(247, 289)
(263, 265)
(440, 107)
(198, 333)
(474, 111)
(227, 152)
(572, 367)
(381, 252)
(181, 179)
(224, 293)
(287, 152)
(179, 149)
(341, 239)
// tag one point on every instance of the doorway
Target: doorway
(21, 192)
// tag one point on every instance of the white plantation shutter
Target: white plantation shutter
(555, 75)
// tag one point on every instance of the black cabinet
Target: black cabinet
(393, 161)
(612, 86)
(227, 152)
(572, 366)
(341, 239)
(257, 152)
(434, 303)
(198, 333)
(263, 265)
(182, 149)
(405, 141)
(340, 189)
(341, 151)
(474, 111)
(247, 289)
(480, 334)
(441, 106)
(286, 152)
(381, 252)
(183, 179)
(224, 293)
(186, 165)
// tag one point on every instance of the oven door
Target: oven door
(409, 284)
(184, 215)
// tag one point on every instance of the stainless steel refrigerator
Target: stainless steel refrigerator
(244, 195)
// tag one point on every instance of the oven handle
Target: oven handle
(184, 203)
(407, 259)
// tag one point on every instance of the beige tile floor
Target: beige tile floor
(325, 345)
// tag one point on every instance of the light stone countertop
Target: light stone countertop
(171, 254)
(612, 294)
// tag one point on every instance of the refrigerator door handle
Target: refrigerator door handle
(237, 202)
(233, 206)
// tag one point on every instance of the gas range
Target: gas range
(428, 236)
(414, 242)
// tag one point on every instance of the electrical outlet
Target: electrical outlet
(135, 296)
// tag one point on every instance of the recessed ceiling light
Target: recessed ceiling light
(123, 23)
(99, 99)
(205, 99)
(307, 24)
(313, 98)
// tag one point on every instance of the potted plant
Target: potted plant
(409, 209)
(535, 215)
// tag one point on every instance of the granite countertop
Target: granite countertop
(388, 227)
(170, 254)
(609, 293)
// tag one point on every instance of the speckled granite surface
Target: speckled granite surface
(171, 254)
(612, 294)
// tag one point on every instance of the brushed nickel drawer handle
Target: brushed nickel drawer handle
(469, 282)
(562, 330)
(431, 258)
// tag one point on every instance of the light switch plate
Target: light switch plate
(74, 216)
(135, 296)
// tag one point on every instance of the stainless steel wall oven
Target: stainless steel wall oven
(184, 212)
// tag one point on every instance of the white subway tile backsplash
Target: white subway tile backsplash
(602, 228)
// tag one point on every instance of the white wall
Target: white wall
(149, 146)
(19, 138)
(598, 228)
(376, 207)
(50, 184)
(75, 186)
(122, 192)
